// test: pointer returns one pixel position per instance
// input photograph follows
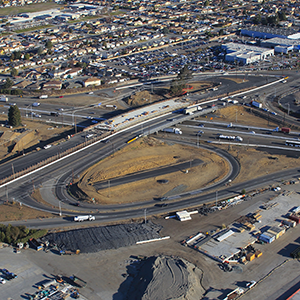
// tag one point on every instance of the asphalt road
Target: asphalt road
(148, 174)
(65, 169)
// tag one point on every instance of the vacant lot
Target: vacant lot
(146, 154)
(14, 10)
(14, 140)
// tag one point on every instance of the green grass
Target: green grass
(14, 10)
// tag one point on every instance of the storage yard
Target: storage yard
(264, 225)
(112, 280)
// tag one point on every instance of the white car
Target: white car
(2, 280)
(252, 132)
(250, 284)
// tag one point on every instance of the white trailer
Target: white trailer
(191, 110)
(173, 130)
(231, 137)
(43, 96)
(84, 218)
(3, 98)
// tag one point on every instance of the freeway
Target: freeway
(65, 169)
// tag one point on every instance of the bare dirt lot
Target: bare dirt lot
(13, 141)
(146, 154)
(242, 115)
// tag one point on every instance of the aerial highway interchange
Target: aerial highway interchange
(65, 168)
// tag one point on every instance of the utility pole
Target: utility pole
(145, 214)
(13, 170)
(108, 188)
(59, 208)
(6, 190)
(216, 197)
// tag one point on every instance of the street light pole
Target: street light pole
(59, 208)
(216, 197)
(288, 109)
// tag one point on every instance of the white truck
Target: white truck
(191, 110)
(43, 96)
(84, 218)
(173, 130)
(231, 137)
(3, 98)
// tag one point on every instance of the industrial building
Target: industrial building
(282, 45)
(245, 54)
(266, 32)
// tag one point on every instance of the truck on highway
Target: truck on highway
(191, 110)
(256, 104)
(286, 130)
(84, 218)
(231, 137)
(43, 97)
(173, 130)
(3, 98)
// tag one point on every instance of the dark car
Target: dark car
(161, 205)
(162, 198)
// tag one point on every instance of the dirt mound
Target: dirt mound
(164, 277)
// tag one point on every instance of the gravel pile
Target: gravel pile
(166, 277)
(94, 239)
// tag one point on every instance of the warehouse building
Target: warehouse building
(265, 32)
(245, 54)
(282, 45)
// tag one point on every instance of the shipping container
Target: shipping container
(250, 256)
(290, 223)
(267, 238)
(258, 253)
(294, 218)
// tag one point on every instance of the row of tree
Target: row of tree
(14, 234)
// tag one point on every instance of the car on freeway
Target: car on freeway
(163, 198)
(200, 132)
(201, 125)
(47, 146)
(252, 132)
(250, 284)
(273, 113)
(162, 205)
(60, 96)
(2, 280)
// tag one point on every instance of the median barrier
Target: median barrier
(49, 160)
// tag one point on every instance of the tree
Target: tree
(14, 72)
(178, 84)
(49, 45)
(40, 50)
(27, 56)
(14, 116)
(8, 84)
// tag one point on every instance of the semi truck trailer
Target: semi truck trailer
(84, 218)
(173, 130)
